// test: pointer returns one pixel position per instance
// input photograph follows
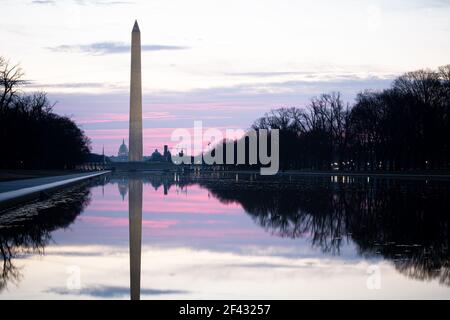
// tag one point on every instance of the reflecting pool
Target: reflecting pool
(230, 236)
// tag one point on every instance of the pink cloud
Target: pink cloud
(198, 215)
(212, 233)
(114, 117)
(196, 202)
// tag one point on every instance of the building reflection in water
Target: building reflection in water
(135, 222)
(123, 188)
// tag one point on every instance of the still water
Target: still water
(171, 236)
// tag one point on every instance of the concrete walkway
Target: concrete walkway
(14, 192)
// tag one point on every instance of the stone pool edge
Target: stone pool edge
(16, 197)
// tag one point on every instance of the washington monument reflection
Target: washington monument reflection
(135, 222)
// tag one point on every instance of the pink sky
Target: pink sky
(104, 116)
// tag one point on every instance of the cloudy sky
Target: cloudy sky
(223, 62)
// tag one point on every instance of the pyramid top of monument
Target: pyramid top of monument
(136, 27)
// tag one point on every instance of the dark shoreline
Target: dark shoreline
(413, 174)
(381, 174)
(11, 175)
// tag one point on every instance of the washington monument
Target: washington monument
(135, 151)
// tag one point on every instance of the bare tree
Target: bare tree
(10, 81)
(33, 134)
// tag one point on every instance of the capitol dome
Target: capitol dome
(123, 150)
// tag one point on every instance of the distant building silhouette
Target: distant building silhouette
(156, 156)
(122, 154)
(123, 150)
(167, 156)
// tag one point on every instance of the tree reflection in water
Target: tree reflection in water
(404, 221)
(28, 229)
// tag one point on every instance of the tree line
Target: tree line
(32, 136)
(404, 127)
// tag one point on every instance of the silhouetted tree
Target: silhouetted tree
(314, 137)
(31, 135)
(405, 221)
(405, 127)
